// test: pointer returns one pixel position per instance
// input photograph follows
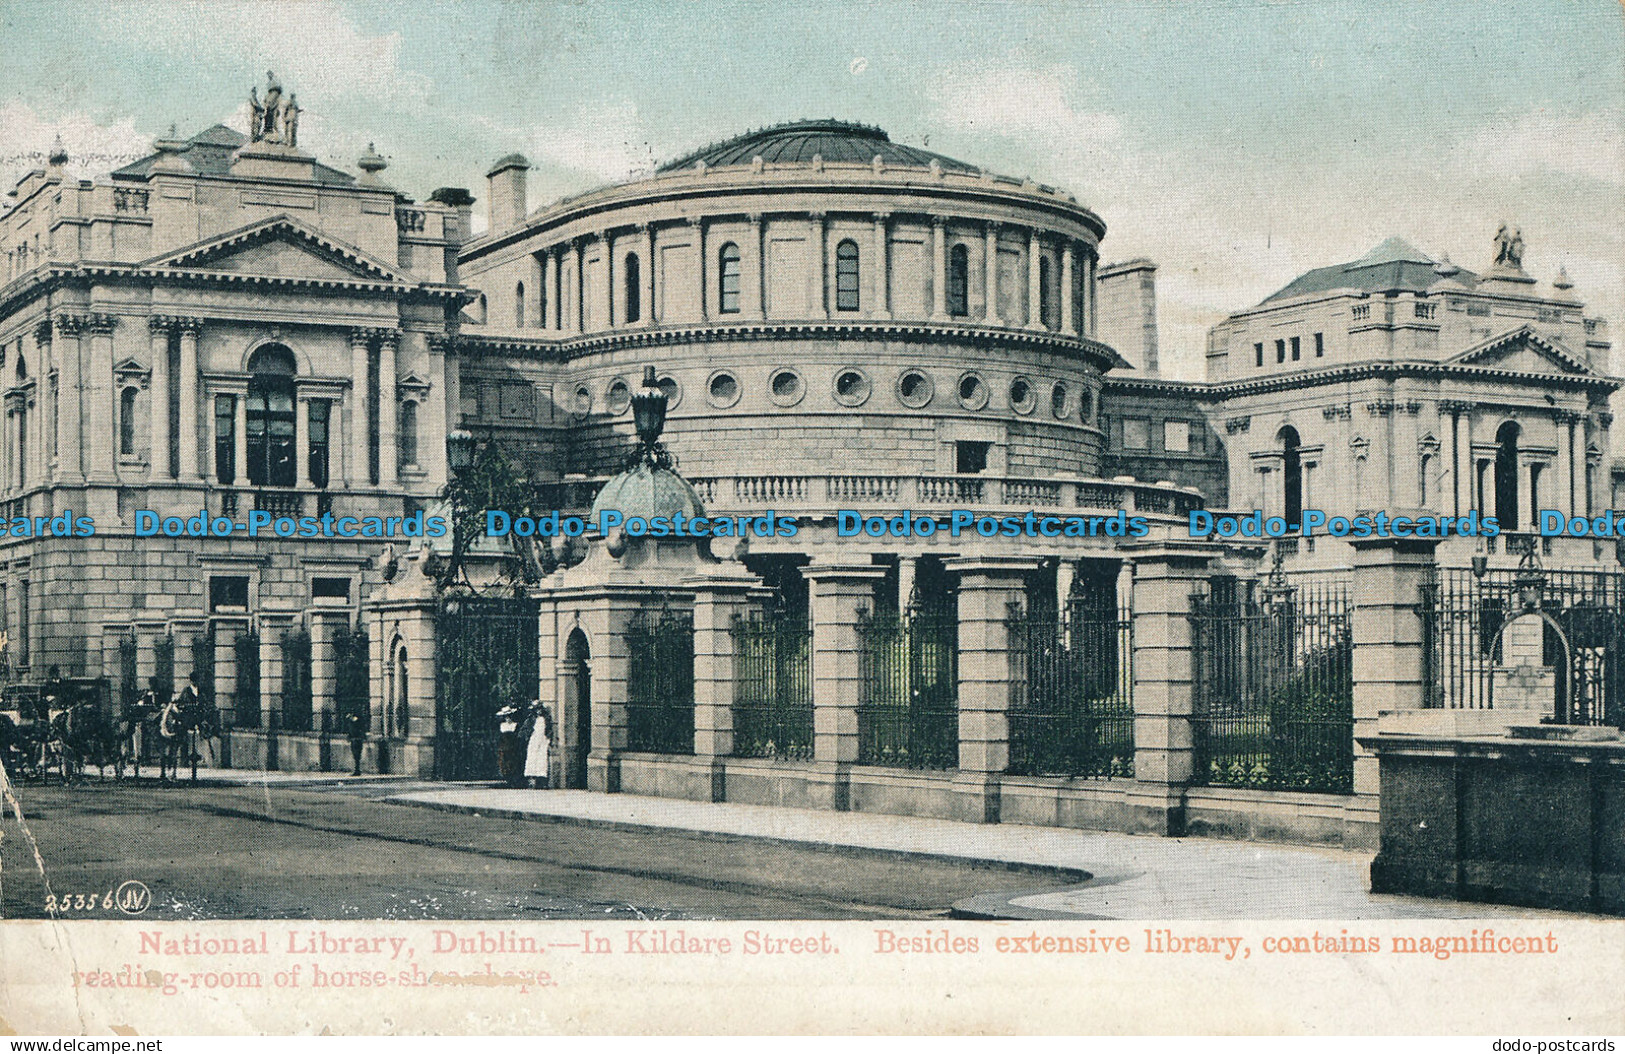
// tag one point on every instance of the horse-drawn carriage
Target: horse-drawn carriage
(63, 726)
(68, 725)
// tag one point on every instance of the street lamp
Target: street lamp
(460, 451)
(649, 417)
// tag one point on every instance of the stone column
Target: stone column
(338, 476)
(609, 280)
(1528, 496)
(187, 383)
(718, 599)
(556, 255)
(1066, 572)
(605, 625)
(1565, 461)
(239, 438)
(99, 399)
(536, 291)
(69, 413)
(158, 327)
(301, 441)
(1067, 322)
(1035, 288)
(840, 595)
(578, 312)
(437, 414)
(820, 241)
(758, 265)
(991, 588)
(1166, 577)
(1086, 324)
(939, 269)
(388, 476)
(907, 566)
(881, 268)
(273, 625)
(990, 266)
(544, 293)
(1089, 285)
(704, 266)
(323, 668)
(1457, 471)
(648, 275)
(1386, 629)
(360, 417)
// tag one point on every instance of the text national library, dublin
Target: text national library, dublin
(816, 326)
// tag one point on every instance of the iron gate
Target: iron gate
(1071, 692)
(1579, 615)
(486, 657)
(1274, 687)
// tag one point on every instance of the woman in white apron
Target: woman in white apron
(541, 744)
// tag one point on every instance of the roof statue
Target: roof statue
(269, 121)
(1509, 247)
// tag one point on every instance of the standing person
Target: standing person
(509, 750)
(197, 720)
(540, 746)
(355, 726)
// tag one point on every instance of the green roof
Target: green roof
(800, 141)
(1394, 266)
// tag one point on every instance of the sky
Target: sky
(1237, 143)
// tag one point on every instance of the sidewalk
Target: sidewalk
(1131, 877)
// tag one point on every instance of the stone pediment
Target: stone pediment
(280, 248)
(1525, 350)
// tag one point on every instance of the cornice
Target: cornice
(575, 346)
(1217, 391)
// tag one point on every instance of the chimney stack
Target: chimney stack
(506, 181)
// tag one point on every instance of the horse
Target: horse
(179, 726)
(87, 737)
(137, 729)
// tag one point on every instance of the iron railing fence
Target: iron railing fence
(1274, 689)
(486, 656)
(660, 683)
(245, 700)
(909, 665)
(1071, 693)
(297, 700)
(1579, 616)
(773, 699)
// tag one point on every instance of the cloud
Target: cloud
(93, 149)
(315, 49)
(607, 142)
(1541, 142)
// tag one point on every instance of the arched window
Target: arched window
(959, 281)
(126, 422)
(1046, 292)
(541, 304)
(1291, 475)
(22, 369)
(403, 712)
(519, 306)
(846, 276)
(1506, 476)
(728, 279)
(634, 288)
(271, 417)
(409, 434)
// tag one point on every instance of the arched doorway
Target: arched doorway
(1506, 476)
(577, 716)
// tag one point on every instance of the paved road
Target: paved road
(340, 852)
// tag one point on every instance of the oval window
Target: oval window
(723, 389)
(972, 392)
(583, 401)
(1059, 398)
(914, 388)
(1021, 396)
(852, 388)
(619, 396)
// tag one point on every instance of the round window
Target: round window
(1022, 399)
(786, 387)
(972, 392)
(723, 389)
(914, 388)
(583, 400)
(852, 387)
(619, 396)
(674, 393)
(1059, 397)
(1086, 405)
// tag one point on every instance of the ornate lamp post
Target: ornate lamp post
(649, 417)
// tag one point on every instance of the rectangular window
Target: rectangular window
(225, 438)
(1136, 433)
(970, 456)
(228, 593)
(1280, 351)
(320, 414)
(1258, 354)
(1176, 437)
(330, 589)
(1297, 349)
(1320, 345)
